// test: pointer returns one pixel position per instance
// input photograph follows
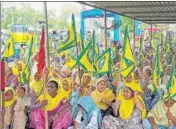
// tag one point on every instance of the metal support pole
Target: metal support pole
(0, 74)
(134, 30)
(117, 29)
(151, 32)
(105, 31)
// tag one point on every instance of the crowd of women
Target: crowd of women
(72, 99)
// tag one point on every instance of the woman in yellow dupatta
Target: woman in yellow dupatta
(57, 107)
(66, 88)
(85, 86)
(10, 100)
(18, 69)
(37, 85)
(103, 97)
(132, 81)
(131, 109)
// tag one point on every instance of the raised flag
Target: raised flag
(127, 60)
(41, 55)
(103, 62)
(71, 40)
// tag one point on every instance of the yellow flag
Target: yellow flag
(127, 61)
(9, 51)
(85, 59)
(103, 62)
(71, 40)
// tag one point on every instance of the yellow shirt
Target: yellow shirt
(97, 97)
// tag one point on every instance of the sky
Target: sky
(57, 6)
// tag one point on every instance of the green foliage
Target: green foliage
(27, 15)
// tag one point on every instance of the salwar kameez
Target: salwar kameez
(61, 122)
(134, 122)
(20, 118)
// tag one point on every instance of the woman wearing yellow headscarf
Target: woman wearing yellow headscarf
(10, 100)
(18, 69)
(103, 97)
(130, 80)
(84, 87)
(58, 109)
(37, 85)
(131, 109)
(66, 88)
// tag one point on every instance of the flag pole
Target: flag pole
(0, 75)
(134, 41)
(46, 36)
(79, 70)
(47, 58)
(105, 31)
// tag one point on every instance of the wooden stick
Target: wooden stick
(134, 35)
(47, 58)
(79, 70)
(105, 31)
(169, 123)
(46, 114)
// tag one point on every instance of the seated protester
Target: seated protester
(146, 62)
(130, 80)
(18, 69)
(162, 115)
(88, 115)
(77, 76)
(36, 84)
(83, 90)
(166, 76)
(113, 86)
(162, 112)
(131, 110)
(147, 75)
(66, 88)
(150, 97)
(116, 85)
(65, 72)
(84, 87)
(140, 77)
(11, 79)
(20, 118)
(54, 73)
(10, 101)
(103, 97)
(58, 109)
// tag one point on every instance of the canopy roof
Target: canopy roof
(153, 12)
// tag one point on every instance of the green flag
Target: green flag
(103, 62)
(127, 61)
(171, 79)
(171, 85)
(71, 40)
(140, 59)
(26, 71)
(157, 71)
(86, 57)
